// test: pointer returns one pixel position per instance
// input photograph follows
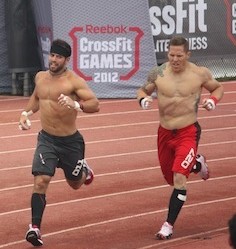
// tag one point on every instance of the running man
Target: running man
(178, 84)
(232, 231)
(59, 94)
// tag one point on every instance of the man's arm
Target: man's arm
(215, 89)
(33, 104)
(31, 107)
(144, 92)
(149, 86)
(86, 101)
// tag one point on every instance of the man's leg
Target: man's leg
(84, 173)
(38, 204)
(177, 199)
(201, 167)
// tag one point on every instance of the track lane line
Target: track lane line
(127, 154)
(105, 222)
(169, 242)
(117, 126)
(116, 194)
(127, 113)
(115, 140)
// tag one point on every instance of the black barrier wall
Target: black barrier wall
(21, 37)
(24, 50)
(145, 29)
(5, 77)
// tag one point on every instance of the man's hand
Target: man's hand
(66, 101)
(69, 103)
(24, 123)
(209, 104)
(145, 103)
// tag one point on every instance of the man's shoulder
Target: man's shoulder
(41, 74)
(157, 71)
(73, 77)
(200, 72)
(159, 67)
(198, 68)
(71, 73)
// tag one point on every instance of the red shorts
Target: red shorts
(177, 150)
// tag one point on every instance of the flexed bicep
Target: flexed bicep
(86, 97)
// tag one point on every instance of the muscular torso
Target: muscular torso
(56, 119)
(178, 97)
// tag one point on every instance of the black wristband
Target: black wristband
(140, 101)
(81, 106)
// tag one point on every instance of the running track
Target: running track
(127, 202)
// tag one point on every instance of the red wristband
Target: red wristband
(214, 99)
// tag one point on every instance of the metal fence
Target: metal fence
(221, 66)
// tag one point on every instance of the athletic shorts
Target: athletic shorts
(177, 150)
(54, 152)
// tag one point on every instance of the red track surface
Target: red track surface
(127, 202)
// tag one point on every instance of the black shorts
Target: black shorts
(54, 152)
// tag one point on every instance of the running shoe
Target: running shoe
(33, 236)
(165, 232)
(89, 173)
(204, 172)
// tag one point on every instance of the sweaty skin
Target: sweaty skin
(59, 94)
(57, 119)
(178, 84)
(57, 116)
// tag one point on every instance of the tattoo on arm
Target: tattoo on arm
(153, 74)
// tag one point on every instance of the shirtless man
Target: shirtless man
(59, 94)
(178, 85)
(232, 231)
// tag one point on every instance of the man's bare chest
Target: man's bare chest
(53, 89)
(179, 86)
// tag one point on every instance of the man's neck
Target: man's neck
(58, 73)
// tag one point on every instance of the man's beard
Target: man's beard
(55, 69)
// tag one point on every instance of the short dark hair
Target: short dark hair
(61, 47)
(232, 230)
(179, 41)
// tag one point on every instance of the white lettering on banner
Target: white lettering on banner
(120, 44)
(195, 43)
(234, 27)
(162, 45)
(234, 18)
(105, 61)
(114, 58)
(234, 10)
(45, 60)
(170, 19)
(106, 77)
(46, 45)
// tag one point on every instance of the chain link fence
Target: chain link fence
(223, 67)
